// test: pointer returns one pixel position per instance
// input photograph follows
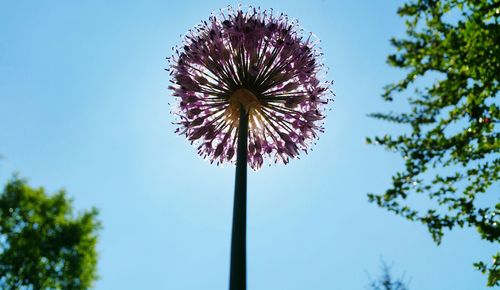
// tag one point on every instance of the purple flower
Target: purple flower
(257, 61)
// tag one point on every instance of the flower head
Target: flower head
(254, 61)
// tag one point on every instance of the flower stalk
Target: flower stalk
(237, 278)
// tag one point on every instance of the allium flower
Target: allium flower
(256, 61)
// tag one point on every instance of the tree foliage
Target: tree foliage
(452, 143)
(43, 245)
(386, 281)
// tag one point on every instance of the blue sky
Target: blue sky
(84, 106)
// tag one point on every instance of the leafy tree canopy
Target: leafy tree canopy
(43, 245)
(386, 281)
(452, 143)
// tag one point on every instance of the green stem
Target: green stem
(237, 279)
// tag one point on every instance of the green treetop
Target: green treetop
(452, 142)
(43, 245)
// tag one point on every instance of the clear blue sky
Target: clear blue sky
(84, 106)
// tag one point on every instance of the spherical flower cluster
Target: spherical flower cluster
(254, 61)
